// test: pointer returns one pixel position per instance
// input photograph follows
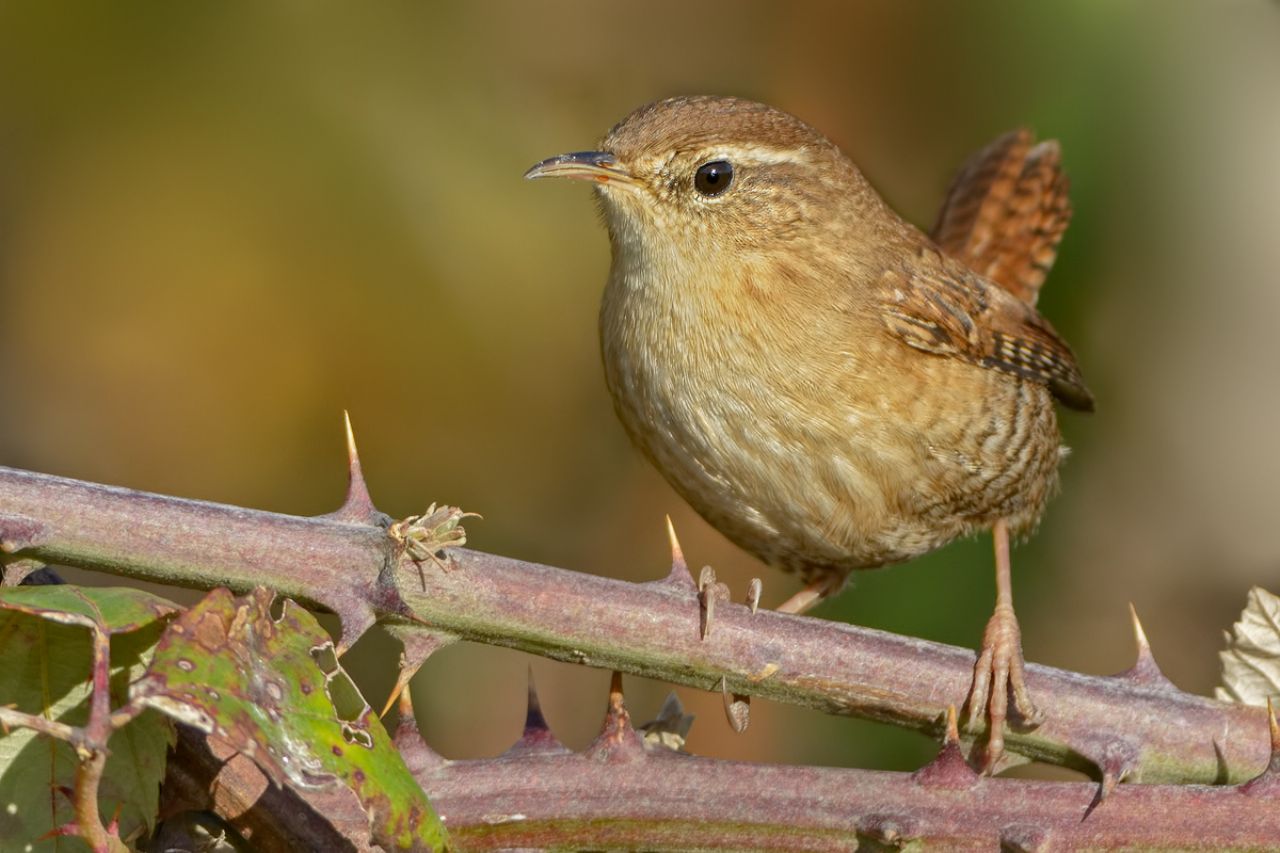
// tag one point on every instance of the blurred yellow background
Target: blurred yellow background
(222, 224)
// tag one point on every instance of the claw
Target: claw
(999, 670)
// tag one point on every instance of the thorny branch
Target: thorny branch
(630, 792)
(1135, 725)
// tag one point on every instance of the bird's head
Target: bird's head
(696, 179)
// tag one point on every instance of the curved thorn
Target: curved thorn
(356, 618)
(1118, 760)
(753, 594)
(737, 710)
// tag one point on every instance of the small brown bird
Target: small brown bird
(829, 387)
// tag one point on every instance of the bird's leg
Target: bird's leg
(811, 595)
(999, 669)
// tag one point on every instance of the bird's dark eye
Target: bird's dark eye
(713, 178)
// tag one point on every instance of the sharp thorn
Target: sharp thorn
(677, 553)
(353, 455)
(401, 683)
(405, 708)
(534, 721)
(1118, 761)
(356, 617)
(1145, 670)
(615, 691)
(1109, 782)
(356, 487)
(753, 594)
(679, 576)
(617, 739)
(706, 578)
(737, 710)
(1139, 635)
(948, 769)
(537, 736)
(707, 600)
(358, 506)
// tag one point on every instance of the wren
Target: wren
(824, 383)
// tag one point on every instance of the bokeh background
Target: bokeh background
(222, 224)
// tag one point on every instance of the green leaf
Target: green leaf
(118, 610)
(272, 689)
(47, 658)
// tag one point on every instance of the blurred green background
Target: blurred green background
(223, 223)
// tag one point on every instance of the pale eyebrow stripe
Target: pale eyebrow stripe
(762, 154)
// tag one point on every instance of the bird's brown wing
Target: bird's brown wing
(1006, 211)
(941, 309)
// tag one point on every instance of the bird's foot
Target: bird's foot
(998, 674)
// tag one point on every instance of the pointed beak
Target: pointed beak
(600, 166)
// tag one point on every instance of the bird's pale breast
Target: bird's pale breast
(844, 458)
